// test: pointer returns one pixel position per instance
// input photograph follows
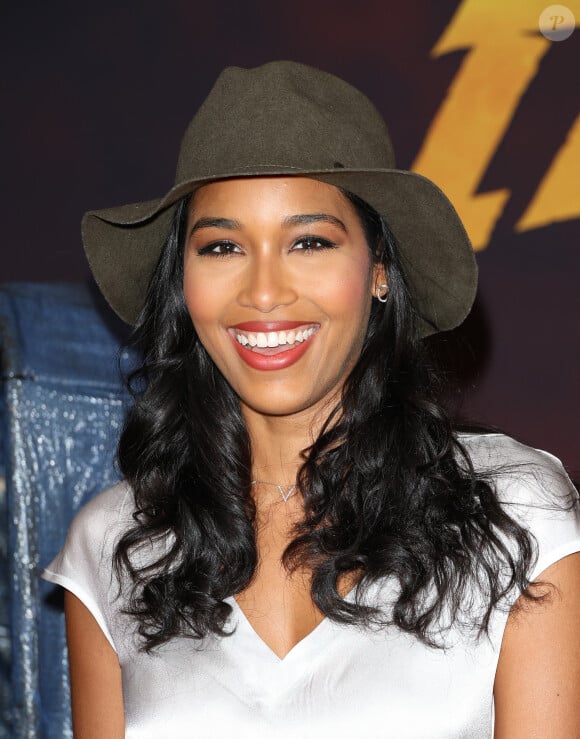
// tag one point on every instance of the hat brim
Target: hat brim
(123, 244)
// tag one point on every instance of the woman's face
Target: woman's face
(278, 281)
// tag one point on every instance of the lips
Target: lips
(278, 340)
(272, 345)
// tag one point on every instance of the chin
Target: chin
(281, 404)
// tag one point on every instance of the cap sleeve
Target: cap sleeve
(84, 564)
(549, 508)
(534, 488)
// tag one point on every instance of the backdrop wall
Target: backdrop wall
(95, 100)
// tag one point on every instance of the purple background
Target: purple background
(95, 100)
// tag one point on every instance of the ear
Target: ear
(379, 278)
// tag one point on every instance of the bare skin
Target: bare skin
(279, 606)
(537, 684)
(95, 676)
(265, 275)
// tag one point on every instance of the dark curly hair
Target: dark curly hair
(388, 489)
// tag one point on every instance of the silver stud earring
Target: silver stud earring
(382, 292)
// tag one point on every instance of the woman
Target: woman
(303, 545)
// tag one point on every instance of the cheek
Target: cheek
(200, 300)
(347, 292)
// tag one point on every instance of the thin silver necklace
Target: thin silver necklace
(285, 493)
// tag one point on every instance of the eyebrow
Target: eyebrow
(227, 223)
(303, 219)
(307, 218)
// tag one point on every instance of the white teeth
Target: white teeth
(273, 339)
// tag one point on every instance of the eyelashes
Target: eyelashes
(219, 249)
(313, 243)
(305, 244)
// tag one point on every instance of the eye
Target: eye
(312, 243)
(219, 249)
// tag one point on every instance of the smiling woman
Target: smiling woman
(303, 544)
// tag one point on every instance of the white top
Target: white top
(339, 681)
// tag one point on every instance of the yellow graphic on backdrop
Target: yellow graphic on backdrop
(558, 196)
(505, 50)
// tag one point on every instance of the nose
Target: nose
(266, 284)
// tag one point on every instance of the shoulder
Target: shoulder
(112, 506)
(520, 473)
(533, 488)
(84, 566)
(87, 553)
(103, 519)
(491, 449)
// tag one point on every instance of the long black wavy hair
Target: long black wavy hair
(388, 489)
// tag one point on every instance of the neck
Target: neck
(277, 442)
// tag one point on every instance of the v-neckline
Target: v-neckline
(302, 644)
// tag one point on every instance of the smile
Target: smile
(256, 340)
(277, 346)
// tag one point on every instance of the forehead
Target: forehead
(270, 196)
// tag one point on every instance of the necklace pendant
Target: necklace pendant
(284, 494)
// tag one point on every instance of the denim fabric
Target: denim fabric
(61, 412)
(5, 650)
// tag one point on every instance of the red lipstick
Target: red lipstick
(268, 362)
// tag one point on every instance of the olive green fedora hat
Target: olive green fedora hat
(285, 118)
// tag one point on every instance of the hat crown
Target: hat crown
(282, 116)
